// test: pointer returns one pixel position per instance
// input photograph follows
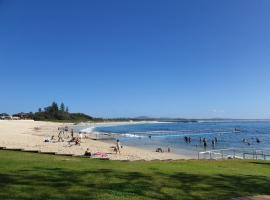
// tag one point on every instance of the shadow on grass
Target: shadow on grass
(59, 183)
(260, 163)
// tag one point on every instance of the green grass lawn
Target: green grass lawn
(35, 176)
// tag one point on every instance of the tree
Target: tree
(67, 110)
(39, 110)
(62, 107)
(54, 108)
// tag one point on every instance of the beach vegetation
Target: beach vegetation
(56, 113)
(62, 107)
(67, 109)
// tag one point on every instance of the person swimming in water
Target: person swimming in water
(213, 144)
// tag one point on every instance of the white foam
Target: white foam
(131, 135)
(88, 130)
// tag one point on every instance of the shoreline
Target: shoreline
(30, 135)
(109, 124)
(110, 138)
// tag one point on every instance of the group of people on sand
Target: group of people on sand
(76, 140)
(115, 148)
(70, 137)
(64, 135)
(160, 150)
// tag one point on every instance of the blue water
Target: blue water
(171, 135)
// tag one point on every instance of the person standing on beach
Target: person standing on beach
(118, 146)
(81, 135)
(72, 133)
(60, 138)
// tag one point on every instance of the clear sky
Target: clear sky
(190, 58)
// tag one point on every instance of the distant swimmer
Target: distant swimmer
(216, 140)
(186, 139)
(237, 130)
(257, 140)
(150, 136)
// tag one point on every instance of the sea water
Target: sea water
(229, 134)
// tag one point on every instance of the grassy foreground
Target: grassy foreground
(35, 176)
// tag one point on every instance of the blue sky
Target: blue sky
(189, 58)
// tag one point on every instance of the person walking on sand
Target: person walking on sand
(60, 138)
(118, 146)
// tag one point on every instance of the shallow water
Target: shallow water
(171, 135)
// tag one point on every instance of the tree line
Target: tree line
(55, 112)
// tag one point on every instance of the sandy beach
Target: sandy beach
(30, 135)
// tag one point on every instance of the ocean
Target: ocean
(229, 134)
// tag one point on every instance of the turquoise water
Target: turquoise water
(229, 134)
